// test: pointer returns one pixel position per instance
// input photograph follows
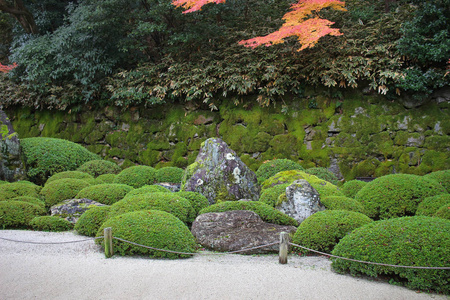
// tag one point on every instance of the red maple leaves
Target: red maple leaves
(6, 69)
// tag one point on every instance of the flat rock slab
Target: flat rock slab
(72, 209)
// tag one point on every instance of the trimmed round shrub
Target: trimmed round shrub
(443, 212)
(197, 200)
(62, 189)
(443, 177)
(18, 214)
(342, 203)
(430, 205)
(323, 230)
(17, 189)
(44, 157)
(91, 220)
(136, 176)
(29, 199)
(3, 182)
(105, 178)
(396, 195)
(148, 189)
(70, 174)
(408, 241)
(50, 223)
(352, 187)
(323, 173)
(272, 167)
(169, 174)
(267, 213)
(152, 228)
(105, 193)
(99, 167)
(168, 202)
(274, 196)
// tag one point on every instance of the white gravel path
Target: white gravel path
(80, 271)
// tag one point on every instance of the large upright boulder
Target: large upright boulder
(220, 175)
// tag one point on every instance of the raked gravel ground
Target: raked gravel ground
(80, 271)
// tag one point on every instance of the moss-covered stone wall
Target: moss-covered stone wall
(363, 135)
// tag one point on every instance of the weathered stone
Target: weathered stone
(174, 187)
(302, 200)
(72, 209)
(220, 175)
(441, 95)
(237, 230)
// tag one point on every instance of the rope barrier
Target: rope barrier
(152, 248)
(49, 243)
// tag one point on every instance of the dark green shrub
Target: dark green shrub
(50, 223)
(136, 176)
(169, 174)
(274, 196)
(105, 193)
(197, 200)
(323, 230)
(443, 177)
(342, 203)
(267, 213)
(408, 241)
(105, 178)
(29, 199)
(99, 167)
(18, 214)
(323, 173)
(350, 188)
(17, 189)
(430, 205)
(443, 212)
(169, 202)
(151, 228)
(148, 189)
(44, 157)
(62, 189)
(396, 195)
(91, 220)
(70, 174)
(272, 167)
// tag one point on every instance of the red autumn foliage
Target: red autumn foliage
(7, 68)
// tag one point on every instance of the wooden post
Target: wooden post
(284, 246)
(108, 242)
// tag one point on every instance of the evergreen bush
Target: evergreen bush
(91, 220)
(99, 167)
(272, 167)
(274, 196)
(342, 203)
(105, 178)
(50, 223)
(443, 177)
(147, 189)
(62, 189)
(29, 199)
(70, 174)
(443, 212)
(352, 187)
(105, 193)
(3, 182)
(197, 200)
(169, 174)
(323, 173)
(430, 205)
(136, 176)
(18, 214)
(18, 189)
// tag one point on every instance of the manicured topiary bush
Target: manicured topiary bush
(169, 202)
(443, 177)
(273, 196)
(272, 167)
(70, 174)
(396, 195)
(99, 167)
(105, 178)
(443, 212)
(323, 173)
(3, 182)
(350, 188)
(430, 205)
(267, 213)
(169, 174)
(408, 241)
(29, 199)
(342, 203)
(108, 193)
(147, 189)
(197, 200)
(62, 189)
(18, 214)
(323, 230)
(136, 176)
(44, 157)
(16, 189)
(50, 223)
(91, 220)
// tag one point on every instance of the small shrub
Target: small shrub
(274, 196)
(99, 167)
(18, 214)
(105, 178)
(105, 193)
(148, 189)
(342, 203)
(430, 205)
(50, 223)
(91, 220)
(70, 174)
(443, 212)
(3, 182)
(323, 173)
(267, 213)
(151, 228)
(272, 167)
(136, 176)
(29, 199)
(443, 177)
(62, 189)
(169, 174)
(350, 188)
(323, 230)
(408, 241)
(18, 189)
(197, 200)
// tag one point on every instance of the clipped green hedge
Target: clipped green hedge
(50, 223)
(3, 182)
(274, 196)
(443, 177)
(323, 230)
(272, 167)
(18, 214)
(197, 200)
(169, 174)
(99, 167)
(92, 219)
(267, 213)
(342, 203)
(62, 189)
(352, 187)
(323, 173)
(29, 199)
(44, 157)
(148, 189)
(18, 189)
(105, 178)
(151, 228)
(396, 195)
(105, 193)
(443, 212)
(136, 176)
(430, 205)
(70, 174)
(408, 241)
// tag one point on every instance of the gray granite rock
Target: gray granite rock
(72, 209)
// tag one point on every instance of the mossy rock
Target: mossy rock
(352, 187)
(197, 200)
(18, 214)
(430, 205)
(169, 174)
(136, 176)
(443, 177)
(105, 178)
(18, 189)
(408, 241)
(267, 213)
(323, 230)
(91, 220)
(275, 195)
(323, 173)
(396, 195)
(62, 189)
(342, 203)
(70, 174)
(105, 193)
(272, 167)
(153, 228)
(50, 223)
(443, 212)
(147, 189)
(29, 199)
(99, 167)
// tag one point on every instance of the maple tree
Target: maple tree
(7, 68)
(302, 21)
